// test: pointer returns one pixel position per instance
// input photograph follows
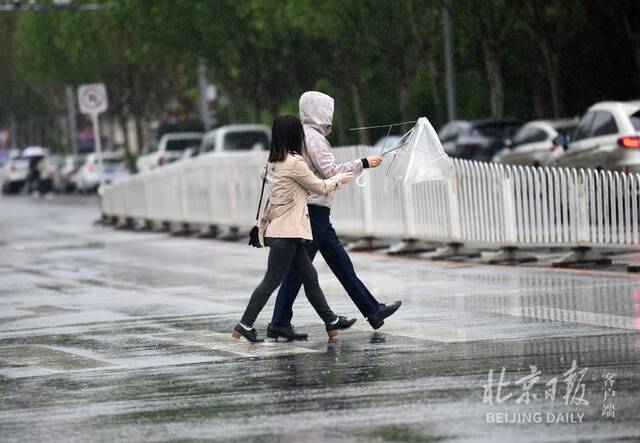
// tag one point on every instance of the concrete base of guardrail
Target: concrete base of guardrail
(582, 256)
(208, 231)
(510, 255)
(367, 244)
(410, 246)
(164, 226)
(181, 230)
(231, 234)
(144, 226)
(126, 224)
(456, 251)
(103, 220)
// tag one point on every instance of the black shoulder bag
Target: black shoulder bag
(254, 237)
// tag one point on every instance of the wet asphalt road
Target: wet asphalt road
(117, 336)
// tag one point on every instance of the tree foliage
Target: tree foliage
(381, 59)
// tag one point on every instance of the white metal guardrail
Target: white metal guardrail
(484, 204)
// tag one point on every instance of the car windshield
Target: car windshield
(635, 120)
(494, 131)
(245, 140)
(450, 132)
(111, 161)
(182, 144)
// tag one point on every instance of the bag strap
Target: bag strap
(264, 181)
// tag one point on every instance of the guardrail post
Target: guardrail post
(509, 253)
(409, 244)
(582, 255)
(184, 228)
(455, 248)
(369, 242)
(232, 233)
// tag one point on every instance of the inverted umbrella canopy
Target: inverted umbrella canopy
(419, 156)
(34, 151)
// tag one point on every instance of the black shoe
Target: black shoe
(249, 335)
(377, 320)
(342, 324)
(288, 332)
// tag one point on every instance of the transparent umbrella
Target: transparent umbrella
(34, 151)
(419, 156)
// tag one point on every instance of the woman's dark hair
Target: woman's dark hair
(287, 136)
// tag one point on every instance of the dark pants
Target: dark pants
(285, 254)
(326, 241)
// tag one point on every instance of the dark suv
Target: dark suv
(485, 138)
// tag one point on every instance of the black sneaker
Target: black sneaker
(342, 324)
(288, 332)
(377, 320)
(249, 335)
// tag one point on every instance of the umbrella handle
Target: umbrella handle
(358, 180)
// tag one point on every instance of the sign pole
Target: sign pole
(92, 99)
(98, 142)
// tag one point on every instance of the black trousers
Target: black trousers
(285, 254)
(327, 243)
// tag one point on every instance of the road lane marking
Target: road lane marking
(568, 315)
(424, 331)
(225, 343)
(48, 358)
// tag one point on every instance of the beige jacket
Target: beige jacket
(285, 214)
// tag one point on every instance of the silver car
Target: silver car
(534, 143)
(449, 134)
(607, 137)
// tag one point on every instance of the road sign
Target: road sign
(92, 98)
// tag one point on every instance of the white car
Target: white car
(247, 137)
(170, 148)
(87, 178)
(16, 170)
(534, 143)
(607, 137)
(449, 134)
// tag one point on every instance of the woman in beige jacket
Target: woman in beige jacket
(285, 226)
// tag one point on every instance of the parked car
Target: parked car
(485, 138)
(247, 137)
(607, 137)
(170, 148)
(16, 170)
(449, 134)
(88, 177)
(534, 143)
(68, 172)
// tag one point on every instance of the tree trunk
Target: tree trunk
(494, 77)
(125, 134)
(342, 128)
(139, 134)
(552, 67)
(432, 73)
(129, 158)
(359, 114)
(539, 103)
(403, 103)
(634, 38)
